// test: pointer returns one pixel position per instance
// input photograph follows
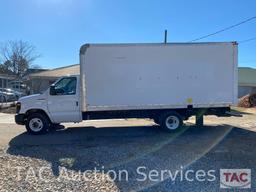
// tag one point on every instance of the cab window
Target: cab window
(66, 86)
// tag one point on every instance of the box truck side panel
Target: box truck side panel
(157, 76)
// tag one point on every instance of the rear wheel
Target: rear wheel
(37, 123)
(171, 121)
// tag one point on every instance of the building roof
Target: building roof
(58, 72)
(246, 76)
(34, 70)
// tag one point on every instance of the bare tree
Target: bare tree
(17, 56)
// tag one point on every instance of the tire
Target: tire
(171, 121)
(37, 124)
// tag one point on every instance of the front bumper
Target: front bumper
(20, 119)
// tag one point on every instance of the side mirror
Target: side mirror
(52, 90)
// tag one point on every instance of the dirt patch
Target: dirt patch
(251, 110)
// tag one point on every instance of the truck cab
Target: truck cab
(59, 103)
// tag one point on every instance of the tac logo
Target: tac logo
(235, 178)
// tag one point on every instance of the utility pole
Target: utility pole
(165, 36)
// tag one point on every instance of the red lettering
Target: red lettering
(234, 177)
(227, 176)
(242, 177)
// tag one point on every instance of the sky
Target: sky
(57, 28)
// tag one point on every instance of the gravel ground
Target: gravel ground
(31, 174)
(236, 151)
(80, 158)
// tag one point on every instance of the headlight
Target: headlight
(18, 106)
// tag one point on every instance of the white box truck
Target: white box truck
(165, 82)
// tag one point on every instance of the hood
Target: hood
(32, 97)
(37, 101)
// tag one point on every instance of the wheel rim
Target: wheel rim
(36, 124)
(172, 122)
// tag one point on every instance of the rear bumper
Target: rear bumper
(20, 119)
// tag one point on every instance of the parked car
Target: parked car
(8, 96)
(18, 94)
(3, 98)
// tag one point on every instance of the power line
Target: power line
(225, 29)
(247, 40)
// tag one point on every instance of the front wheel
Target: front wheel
(37, 123)
(171, 121)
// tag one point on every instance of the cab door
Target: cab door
(63, 100)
